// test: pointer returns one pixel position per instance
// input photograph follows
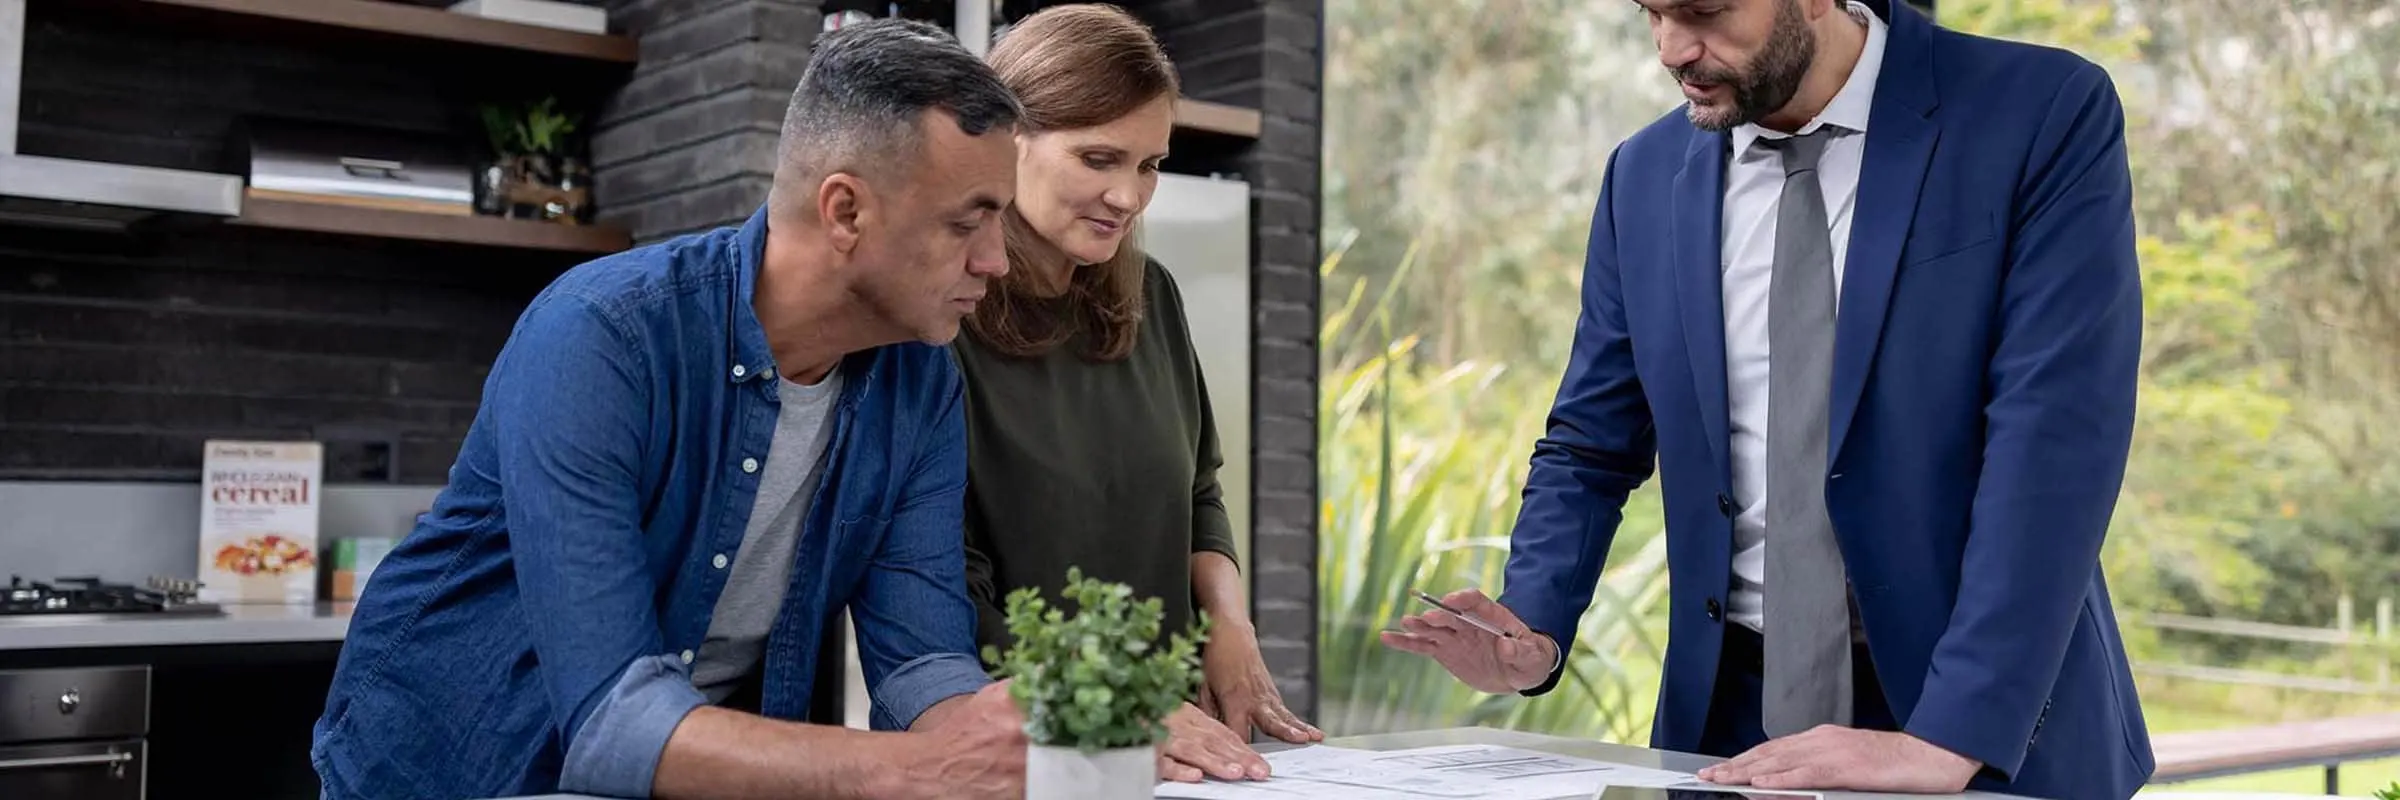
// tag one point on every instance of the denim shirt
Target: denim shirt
(534, 633)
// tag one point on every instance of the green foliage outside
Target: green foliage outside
(1465, 141)
(1096, 680)
(1412, 482)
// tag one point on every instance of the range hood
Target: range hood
(93, 195)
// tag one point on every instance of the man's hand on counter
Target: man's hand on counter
(1831, 757)
(966, 746)
(969, 746)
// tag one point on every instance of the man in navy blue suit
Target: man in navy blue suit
(1869, 303)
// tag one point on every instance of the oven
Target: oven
(74, 733)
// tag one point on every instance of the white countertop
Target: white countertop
(239, 624)
(1579, 748)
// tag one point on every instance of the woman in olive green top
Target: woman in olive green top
(1090, 441)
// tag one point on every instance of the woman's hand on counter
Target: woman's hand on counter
(1199, 746)
(1238, 690)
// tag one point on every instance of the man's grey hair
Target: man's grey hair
(866, 86)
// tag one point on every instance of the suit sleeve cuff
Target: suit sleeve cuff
(1975, 733)
(919, 684)
(1558, 668)
(1549, 626)
(616, 752)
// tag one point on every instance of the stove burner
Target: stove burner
(88, 595)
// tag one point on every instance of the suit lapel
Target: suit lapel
(1900, 143)
(1695, 214)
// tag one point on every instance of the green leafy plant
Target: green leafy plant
(546, 128)
(501, 130)
(537, 129)
(1097, 680)
(2391, 792)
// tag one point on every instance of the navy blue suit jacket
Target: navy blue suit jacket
(1982, 406)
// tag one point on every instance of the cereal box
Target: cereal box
(258, 521)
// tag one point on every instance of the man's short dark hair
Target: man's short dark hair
(858, 104)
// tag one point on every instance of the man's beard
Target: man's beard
(1772, 79)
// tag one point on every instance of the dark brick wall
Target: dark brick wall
(1266, 54)
(689, 143)
(1284, 172)
(119, 355)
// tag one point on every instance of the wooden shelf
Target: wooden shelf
(1201, 115)
(261, 211)
(421, 22)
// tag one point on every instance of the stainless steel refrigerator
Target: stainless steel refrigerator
(1200, 229)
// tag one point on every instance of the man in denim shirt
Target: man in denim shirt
(689, 459)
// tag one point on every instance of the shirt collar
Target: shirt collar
(1852, 105)
(745, 339)
(746, 347)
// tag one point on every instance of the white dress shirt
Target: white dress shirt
(1753, 191)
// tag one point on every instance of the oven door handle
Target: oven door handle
(65, 761)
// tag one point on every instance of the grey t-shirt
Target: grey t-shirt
(737, 633)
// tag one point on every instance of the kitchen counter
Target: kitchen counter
(239, 624)
(1605, 752)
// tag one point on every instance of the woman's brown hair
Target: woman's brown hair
(1073, 66)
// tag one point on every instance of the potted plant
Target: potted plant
(2391, 792)
(1095, 687)
(532, 173)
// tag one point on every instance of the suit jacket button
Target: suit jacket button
(1725, 506)
(1715, 612)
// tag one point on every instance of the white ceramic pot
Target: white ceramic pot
(1061, 773)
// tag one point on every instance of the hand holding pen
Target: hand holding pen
(1478, 640)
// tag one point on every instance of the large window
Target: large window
(1464, 146)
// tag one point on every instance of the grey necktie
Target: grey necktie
(1807, 675)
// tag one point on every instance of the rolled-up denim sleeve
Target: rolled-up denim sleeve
(917, 685)
(916, 627)
(616, 753)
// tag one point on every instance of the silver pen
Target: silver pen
(1486, 627)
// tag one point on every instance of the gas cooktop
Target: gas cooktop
(89, 595)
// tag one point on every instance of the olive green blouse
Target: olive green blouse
(1110, 466)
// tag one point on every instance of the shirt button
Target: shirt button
(749, 465)
(739, 370)
(687, 656)
(719, 561)
(767, 373)
(1716, 612)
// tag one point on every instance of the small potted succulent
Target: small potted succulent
(1096, 688)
